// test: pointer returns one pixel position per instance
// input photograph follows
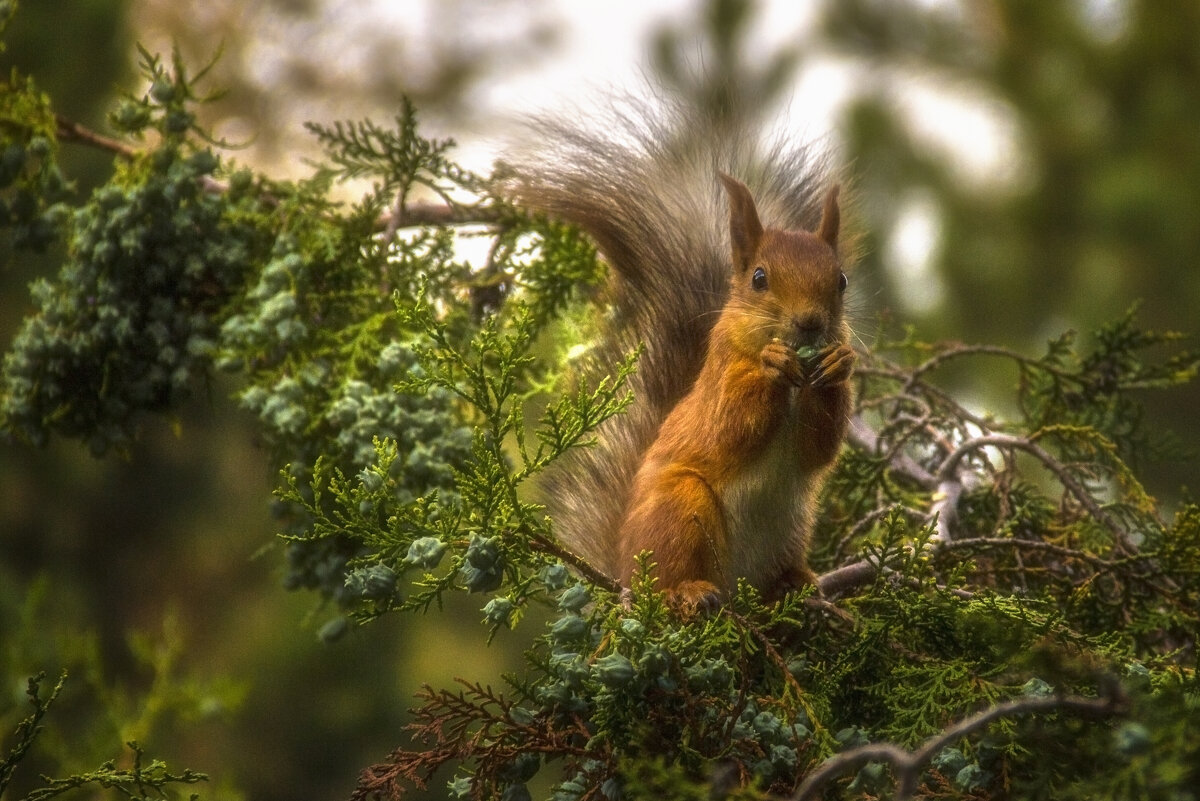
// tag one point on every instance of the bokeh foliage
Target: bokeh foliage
(1086, 206)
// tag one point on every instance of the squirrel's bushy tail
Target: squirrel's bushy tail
(641, 180)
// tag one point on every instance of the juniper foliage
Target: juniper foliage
(1004, 611)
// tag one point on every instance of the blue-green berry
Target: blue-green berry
(633, 628)
(574, 599)
(613, 671)
(569, 627)
(949, 761)
(371, 480)
(425, 552)
(498, 611)
(971, 777)
(477, 580)
(483, 552)
(1132, 739)
(521, 716)
(459, 787)
(555, 576)
(162, 90)
(376, 583)
(655, 660)
(871, 778)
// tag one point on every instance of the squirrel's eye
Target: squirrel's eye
(842, 281)
(759, 281)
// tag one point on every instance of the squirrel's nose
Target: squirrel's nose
(808, 328)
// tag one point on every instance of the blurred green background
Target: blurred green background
(1020, 167)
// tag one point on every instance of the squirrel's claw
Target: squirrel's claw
(834, 366)
(780, 361)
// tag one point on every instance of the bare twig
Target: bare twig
(837, 582)
(69, 131)
(960, 349)
(864, 437)
(400, 216)
(908, 765)
(949, 469)
(546, 545)
(418, 214)
(1034, 545)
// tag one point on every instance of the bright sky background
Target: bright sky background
(602, 47)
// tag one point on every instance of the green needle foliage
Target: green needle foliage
(1003, 611)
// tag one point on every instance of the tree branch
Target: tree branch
(862, 436)
(546, 545)
(400, 216)
(908, 765)
(69, 131)
(949, 470)
(443, 214)
(847, 577)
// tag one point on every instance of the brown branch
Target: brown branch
(1035, 545)
(68, 131)
(848, 577)
(400, 216)
(441, 214)
(862, 436)
(908, 765)
(957, 349)
(949, 469)
(545, 545)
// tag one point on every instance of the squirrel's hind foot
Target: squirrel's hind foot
(693, 598)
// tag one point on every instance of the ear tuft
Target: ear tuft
(745, 231)
(831, 218)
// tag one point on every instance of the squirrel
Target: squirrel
(742, 394)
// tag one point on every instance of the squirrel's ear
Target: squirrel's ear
(745, 231)
(830, 218)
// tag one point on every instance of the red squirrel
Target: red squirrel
(742, 396)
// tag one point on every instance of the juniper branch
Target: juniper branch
(401, 216)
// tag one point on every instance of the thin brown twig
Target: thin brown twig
(954, 350)
(847, 577)
(1036, 545)
(401, 215)
(541, 543)
(949, 470)
(69, 131)
(908, 765)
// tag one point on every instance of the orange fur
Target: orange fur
(728, 487)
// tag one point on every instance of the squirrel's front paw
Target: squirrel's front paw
(780, 361)
(832, 366)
